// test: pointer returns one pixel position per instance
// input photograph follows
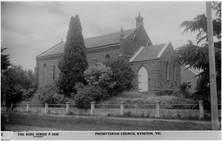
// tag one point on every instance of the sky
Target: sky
(30, 28)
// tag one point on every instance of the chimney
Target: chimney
(139, 20)
(121, 34)
(121, 40)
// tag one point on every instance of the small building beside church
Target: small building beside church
(190, 77)
(152, 63)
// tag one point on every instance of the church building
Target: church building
(151, 63)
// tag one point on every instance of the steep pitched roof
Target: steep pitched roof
(90, 43)
(148, 53)
(56, 49)
(195, 71)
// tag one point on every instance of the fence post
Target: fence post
(92, 108)
(201, 109)
(46, 108)
(11, 107)
(157, 109)
(121, 108)
(67, 107)
(136, 106)
(27, 106)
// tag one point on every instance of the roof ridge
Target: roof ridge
(109, 33)
(50, 48)
(136, 53)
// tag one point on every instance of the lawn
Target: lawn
(132, 97)
(94, 124)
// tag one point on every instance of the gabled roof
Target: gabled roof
(90, 43)
(195, 71)
(149, 52)
(56, 49)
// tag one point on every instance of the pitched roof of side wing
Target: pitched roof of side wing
(149, 52)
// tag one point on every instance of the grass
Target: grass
(94, 123)
(133, 97)
(178, 117)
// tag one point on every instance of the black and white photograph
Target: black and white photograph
(111, 70)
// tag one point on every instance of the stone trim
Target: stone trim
(143, 61)
(135, 55)
(49, 56)
(102, 47)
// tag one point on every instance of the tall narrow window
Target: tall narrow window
(44, 73)
(107, 58)
(175, 72)
(53, 72)
(168, 70)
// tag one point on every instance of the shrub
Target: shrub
(184, 90)
(87, 94)
(99, 75)
(48, 94)
(115, 77)
(164, 92)
(122, 77)
(160, 93)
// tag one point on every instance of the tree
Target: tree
(5, 62)
(123, 75)
(196, 56)
(74, 61)
(17, 85)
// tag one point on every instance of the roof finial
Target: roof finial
(61, 40)
(139, 20)
(121, 33)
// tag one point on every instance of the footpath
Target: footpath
(9, 127)
(136, 119)
(128, 118)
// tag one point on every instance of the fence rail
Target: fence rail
(120, 108)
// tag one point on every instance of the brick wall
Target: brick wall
(45, 74)
(154, 73)
(100, 54)
(174, 70)
(157, 72)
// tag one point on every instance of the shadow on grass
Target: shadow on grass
(94, 124)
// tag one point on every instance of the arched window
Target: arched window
(44, 72)
(107, 56)
(168, 70)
